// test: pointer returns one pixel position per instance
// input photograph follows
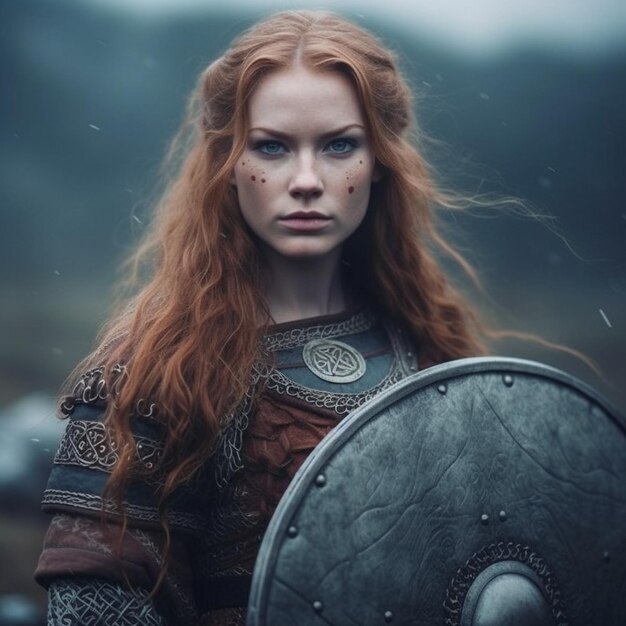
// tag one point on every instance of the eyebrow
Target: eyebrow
(330, 133)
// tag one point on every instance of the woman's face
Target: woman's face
(304, 179)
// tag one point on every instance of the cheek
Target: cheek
(358, 179)
(255, 190)
(250, 171)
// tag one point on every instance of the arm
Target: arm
(83, 541)
(87, 579)
(79, 600)
(82, 544)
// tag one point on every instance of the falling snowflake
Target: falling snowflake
(605, 318)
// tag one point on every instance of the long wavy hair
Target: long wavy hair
(189, 336)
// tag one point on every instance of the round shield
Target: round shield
(480, 492)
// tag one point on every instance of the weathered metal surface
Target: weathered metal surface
(475, 485)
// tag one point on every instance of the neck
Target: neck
(303, 288)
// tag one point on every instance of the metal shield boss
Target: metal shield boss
(480, 492)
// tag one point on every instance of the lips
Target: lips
(305, 215)
(305, 220)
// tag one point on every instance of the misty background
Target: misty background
(525, 102)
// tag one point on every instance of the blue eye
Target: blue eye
(270, 148)
(342, 146)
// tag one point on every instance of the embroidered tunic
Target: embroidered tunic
(317, 372)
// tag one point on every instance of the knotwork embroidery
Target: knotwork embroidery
(87, 444)
(333, 361)
(85, 600)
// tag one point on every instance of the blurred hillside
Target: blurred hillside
(92, 96)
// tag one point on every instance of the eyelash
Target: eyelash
(261, 146)
(351, 143)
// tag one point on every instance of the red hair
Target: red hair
(189, 337)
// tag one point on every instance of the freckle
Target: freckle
(262, 180)
(243, 162)
(253, 177)
(350, 189)
(361, 162)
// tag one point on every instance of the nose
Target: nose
(306, 183)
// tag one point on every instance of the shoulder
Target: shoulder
(97, 386)
(87, 455)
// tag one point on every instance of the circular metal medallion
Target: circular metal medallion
(334, 361)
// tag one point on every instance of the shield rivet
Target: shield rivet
(292, 531)
(606, 556)
(320, 480)
(442, 389)
(318, 606)
(388, 617)
(484, 519)
(502, 516)
(507, 379)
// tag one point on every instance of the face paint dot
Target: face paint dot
(350, 189)
(253, 177)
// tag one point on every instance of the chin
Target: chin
(304, 255)
(304, 250)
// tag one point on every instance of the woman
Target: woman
(292, 279)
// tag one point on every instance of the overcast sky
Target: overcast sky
(470, 26)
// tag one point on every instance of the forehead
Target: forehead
(298, 98)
